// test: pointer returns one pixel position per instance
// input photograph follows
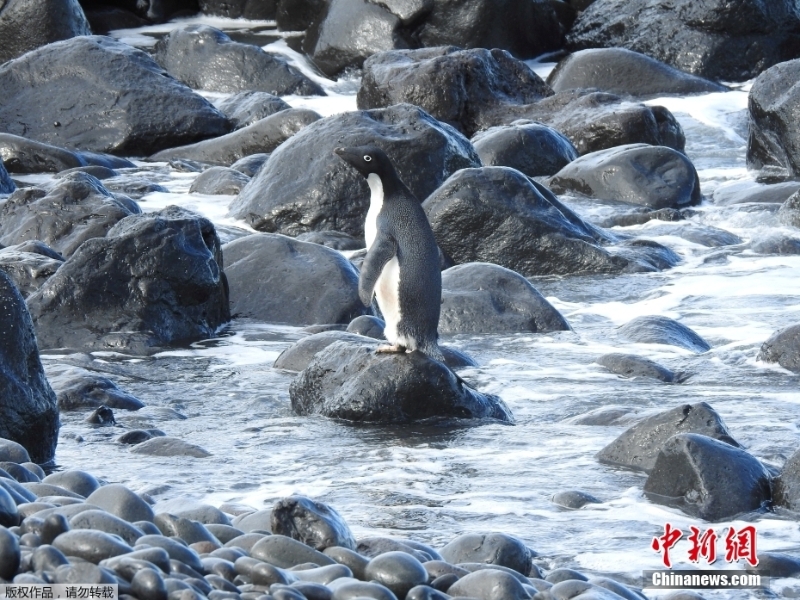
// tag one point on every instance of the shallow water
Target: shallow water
(432, 483)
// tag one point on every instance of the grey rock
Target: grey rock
(786, 487)
(9, 554)
(398, 571)
(7, 185)
(493, 548)
(82, 573)
(489, 584)
(789, 212)
(777, 564)
(9, 515)
(205, 58)
(188, 530)
(74, 480)
(532, 148)
(332, 239)
(260, 519)
(375, 546)
(90, 545)
(277, 279)
(630, 365)
(305, 187)
(654, 176)
(752, 192)
(284, 552)
(28, 270)
(26, 26)
(707, 478)
(488, 298)
(783, 347)
(169, 446)
(245, 108)
(350, 559)
(219, 180)
(663, 330)
(574, 499)
(21, 155)
(224, 533)
(316, 524)
(638, 446)
(120, 501)
(625, 72)
(249, 165)
(163, 281)
(782, 245)
(563, 574)
(147, 584)
(368, 326)
(351, 589)
(12, 451)
(75, 209)
(77, 389)
(261, 137)
(101, 520)
(341, 382)
(142, 110)
(176, 550)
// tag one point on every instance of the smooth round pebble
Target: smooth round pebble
(493, 548)
(352, 589)
(147, 584)
(186, 529)
(285, 552)
(19, 472)
(122, 502)
(260, 519)
(13, 452)
(398, 571)
(76, 481)
(9, 515)
(82, 573)
(349, 558)
(92, 546)
(558, 575)
(574, 499)
(176, 550)
(52, 527)
(105, 521)
(9, 554)
(426, 592)
(489, 584)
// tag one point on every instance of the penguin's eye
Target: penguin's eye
(367, 158)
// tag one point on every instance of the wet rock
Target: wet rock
(710, 237)
(224, 533)
(26, 26)
(90, 545)
(277, 279)
(774, 139)
(7, 185)
(249, 165)
(169, 446)
(663, 330)
(341, 383)
(77, 389)
(787, 485)
(134, 436)
(161, 274)
(28, 409)
(574, 499)
(148, 585)
(559, 575)
(261, 137)
(42, 490)
(375, 546)
(245, 108)
(12, 451)
(573, 588)
(789, 212)
(9, 554)
(489, 584)
(332, 239)
(246, 9)
(398, 571)
(188, 530)
(707, 478)
(519, 224)
(202, 513)
(101, 520)
(135, 187)
(219, 180)
(177, 551)
(731, 42)
(83, 573)
(349, 558)
(534, 149)
(368, 326)
(351, 589)
(314, 523)
(493, 548)
(616, 588)
(458, 87)
(638, 447)
(18, 472)
(259, 520)
(777, 564)
(142, 110)
(28, 270)
(21, 155)
(627, 73)
(75, 209)
(654, 176)
(630, 365)
(9, 515)
(487, 298)
(305, 187)
(205, 58)
(284, 552)
(120, 501)
(74, 480)
(751, 192)
(783, 347)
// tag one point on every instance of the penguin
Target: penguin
(401, 267)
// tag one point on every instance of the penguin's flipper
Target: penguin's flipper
(383, 249)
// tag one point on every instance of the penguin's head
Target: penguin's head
(366, 160)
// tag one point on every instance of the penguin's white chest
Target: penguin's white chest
(387, 288)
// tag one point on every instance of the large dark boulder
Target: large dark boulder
(261, 137)
(7, 185)
(205, 58)
(786, 486)
(487, 298)
(258, 10)
(492, 549)
(638, 447)
(74, 209)
(653, 176)
(27, 25)
(458, 87)
(707, 478)
(314, 523)
(353, 383)
(663, 330)
(627, 73)
(29, 265)
(731, 40)
(20, 155)
(346, 32)
(78, 389)
(305, 187)
(278, 279)
(497, 215)
(154, 280)
(245, 108)
(783, 347)
(532, 148)
(28, 409)
(773, 104)
(122, 102)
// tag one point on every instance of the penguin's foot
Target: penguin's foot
(396, 349)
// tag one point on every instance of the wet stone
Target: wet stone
(574, 499)
(489, 584)
(122, 502)
(284, 552)
(176, 550)
(494, 548)
(90, 545)
(316, 524)
(9, 554)
(398, 571)
(148, 585)
(102, 521)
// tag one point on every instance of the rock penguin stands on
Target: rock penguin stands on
(402, 263)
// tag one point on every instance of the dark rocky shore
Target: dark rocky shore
(501, 161)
